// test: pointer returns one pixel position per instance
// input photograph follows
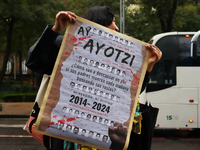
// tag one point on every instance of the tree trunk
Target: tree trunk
(20, 71)
(8, 50)
(167, 23)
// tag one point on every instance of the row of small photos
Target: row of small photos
(94, 91)
(101, 66)
(82, 132)
(114, 38)
(88, 116)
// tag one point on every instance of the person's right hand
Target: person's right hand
(63, 18)
(117, 135)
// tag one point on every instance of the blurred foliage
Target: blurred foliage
(143, 19)
(29, 18)
(28, 97)
(10, 86)
(11, 92)
(138, 24)
(187, 18)
(163, 11)
(21, 22)
(79, 7)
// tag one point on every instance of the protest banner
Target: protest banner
(95, 85)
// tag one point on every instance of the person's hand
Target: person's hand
(117, 134)
(138, 118)
(155, 56)
(63, 18)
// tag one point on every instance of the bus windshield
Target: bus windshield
(176, 52)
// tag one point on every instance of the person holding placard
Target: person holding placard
(42, 55)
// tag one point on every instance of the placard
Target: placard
(93, 91)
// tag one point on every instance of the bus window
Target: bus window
(164, 71)
(185, 58)
(196, 52)
(151, 41)
(195, 44)
(170, 71)
(176, 52)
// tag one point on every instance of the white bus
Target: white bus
(175, 81)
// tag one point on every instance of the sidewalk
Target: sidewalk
(13, 122)
(16, 108)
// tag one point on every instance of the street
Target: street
(13, 137)
(175, 144)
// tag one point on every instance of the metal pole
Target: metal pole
(14, 68)
(122, 16)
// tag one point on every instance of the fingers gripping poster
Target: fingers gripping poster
(93, 91)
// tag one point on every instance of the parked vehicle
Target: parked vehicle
(175, 81)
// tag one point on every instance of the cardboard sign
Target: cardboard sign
(93, 91)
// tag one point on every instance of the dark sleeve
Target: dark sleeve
(146, 81)
(42, 55)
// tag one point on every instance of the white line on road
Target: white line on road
(15, 136)
(11, 126)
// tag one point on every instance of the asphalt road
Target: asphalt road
(28, 143)
(175, 144)
(13, 137)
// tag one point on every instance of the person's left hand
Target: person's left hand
(155, 56)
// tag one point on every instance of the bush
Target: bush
(19, 97)
(13, 86)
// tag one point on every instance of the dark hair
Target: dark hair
(102, 15)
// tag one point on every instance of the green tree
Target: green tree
(138, 25)
(187, 18)
(79, 7)
(162, 10)
(145, 18)
(21, 21)
(135, 22)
